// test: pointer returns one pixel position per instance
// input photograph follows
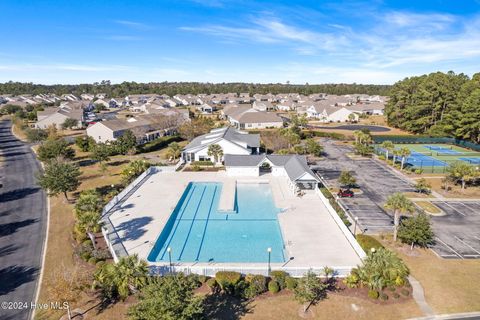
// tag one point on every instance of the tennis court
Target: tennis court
(435, 158)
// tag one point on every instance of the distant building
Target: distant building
(144, 127)
(57, 116)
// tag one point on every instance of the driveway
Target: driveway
(376, 181)
(23, 219)
(457, 232)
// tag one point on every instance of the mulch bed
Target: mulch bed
(362, 293)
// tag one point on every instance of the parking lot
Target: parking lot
(376, 181)
(457, 233)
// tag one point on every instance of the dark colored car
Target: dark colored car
(345, 193)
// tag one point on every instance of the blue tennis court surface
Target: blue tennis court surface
(197, 231)
(442, 150)
(471, 160)
(417, 159)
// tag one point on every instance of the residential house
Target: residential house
(144, 127)
(249, 118)
(232, 142)
(263, 106)
(57, 116)
(325, 112)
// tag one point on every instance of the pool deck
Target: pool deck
(311, 236)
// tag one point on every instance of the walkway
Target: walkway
(419, 297)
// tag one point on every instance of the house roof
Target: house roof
(228, 133)
(249, 115)
(295, 165)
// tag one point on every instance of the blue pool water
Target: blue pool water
(197, 232)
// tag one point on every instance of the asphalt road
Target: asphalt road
(23, 220)
(375, 180)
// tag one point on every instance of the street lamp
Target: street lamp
(355, 227)
(169, 250)
(269, 250)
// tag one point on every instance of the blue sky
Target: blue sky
(380, 42)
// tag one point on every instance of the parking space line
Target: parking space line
(446, 245)
(469, 208)
(476, 237)
(451, 207)
(467, 244)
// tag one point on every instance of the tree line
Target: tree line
(438, 104)
(173, 88)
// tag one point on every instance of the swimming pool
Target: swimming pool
(197, 232)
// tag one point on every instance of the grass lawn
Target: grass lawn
(335, 306)
(451, 285)
(456, 190)
(60, 252)
(428, 207)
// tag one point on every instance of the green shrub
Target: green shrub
(227, 280)
(396, 295)
(418, 171)
(290, 283)
(202, 279)
(273, 286)
(373, 294)
(196, 168)
(212, 284)
(381, 157)
(99, 263)
(392, 288)
(368, 242)
(92, 260)
(240, 289)
(352, 280)
(383, 297)
(257, 284)
(405, 292)
(158, 144)
(280, 277)
(202, 163)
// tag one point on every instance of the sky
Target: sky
(371, 42)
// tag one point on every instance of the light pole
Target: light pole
(355, 227)
(169, 250)
(372, 250)
(269, 250)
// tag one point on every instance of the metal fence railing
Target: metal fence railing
(210, 271)
(426, 140)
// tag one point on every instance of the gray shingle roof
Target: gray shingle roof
(295, 165)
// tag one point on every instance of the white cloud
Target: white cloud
(133, 24)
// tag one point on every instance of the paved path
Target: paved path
(23, 216)
(419, 297)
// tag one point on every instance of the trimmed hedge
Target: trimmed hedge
(212, 283)
(373, 294)
(280, 277)
(368, 242)
(332, 135)
(273, 286)
(202, 163)
(228, 279)
(290, 283)
(257, 284)
(335, 206)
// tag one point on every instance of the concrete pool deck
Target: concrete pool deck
(311, 235)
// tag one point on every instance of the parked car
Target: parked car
(345, 193)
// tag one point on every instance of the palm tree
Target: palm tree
(121, 279)
(399, 204)
(215, 151)
(90, 222)
(357, 134)
(388, 146)
(395, 153)
(174, 150)
(404, 153)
